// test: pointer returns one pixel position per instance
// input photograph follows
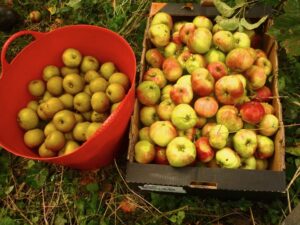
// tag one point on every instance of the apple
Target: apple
(144, 152)
(261, 164)
(50, 71)
(216, 28)
(265, 64)
(217, 69)
(265, 147)
(252, 112)
(64, 120)
(176, 38)
(224, 40)
(148, 93)
(44, 152)
(181, 152)
(206, 106)
(80, 130)
(98, 84)
(207, 127)
(185, 31)
(243, 80)
(156, 75)
(185, 80)
(107, 69)
(89, 63)
(67, 100)
(183, 57)
(203, 21)
(239, 59)
(202, 82)
(269, 109)
(165, 92)
(33, 104)
(214, 55)
(263, 94)
(71, 57)
(205, 152)
(144, 134)
(162, 132)
(148, 115)
(73, 83)
(120, 78)
(256, 77)
(34, 16)
(162, 18)
(66, 70)
(27, 119)
(172, 69)
(227, 158)
(218, 135)
(181, 94)
(92, 129)
(100, 102)
(55, 141)
(252, 53)
(249, 163)
(200, 40)
(228, 116)
(183, 117)
(154, 58)
(115, 92)
(36, 87)
(190, 133)
(165, 109)
(193, 62)
(268, 125)
(260, 53)
(159, 34)
(228, 89)
(241, 40)
(161, 156)
(177, 26)
(245, 143)
(34, 138)
(69, 147)
(82, 102)
(201, 121)
(52, 106)
(171, 49)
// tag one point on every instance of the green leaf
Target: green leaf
(228, 24)
(60, 220)
(292, 46)
(224, 9)
(252, 26)
(36, 177)
(92, 187)
(293, 150)
(75, 4)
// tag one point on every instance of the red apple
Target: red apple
(260, 53)
(154, 58)
(252, 112)
(263, 94)
(172, 69)
(269, 109)
(206, 106)
(160, 156)
(181, 94)
(202, 82)
(156, 75)
(256, 77)
(228, 89)
(239, 59)
(189, 133)
(206, 128)
(217, 70)
(205, 152)
(185, 31)
(176, 38)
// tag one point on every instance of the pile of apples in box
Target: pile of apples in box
(205, 97)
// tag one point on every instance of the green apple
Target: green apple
(71, 57)
(50, 71)
(165, 92)
(100, 102)
(64, 120)
(115, 92)
(98, 84)
(34, 138)
(99, 117)
(91, 75)
(216, 28)
(227, 158)
(144, 152)
(148, 93)
(248, 163)
(183, 117)
(79, 131)
(269, 125)
(107, 69)
(241, 40)
(36, 88)
(89, 63)
(165, 109)
(27, 119)
(55, 141)
(203, 21)
(224, 40)
(162, 18)
(214, 55)
(265, 147)
(67, 100)
(44, 152)
(218, 136)
(200, 40)
(82, 102)
(69, 147)
(148, 115)
(92, 128)
(159, 34)
(171, 49)
(193, 62)
(55, 85)
(73, 83)
(67, 70)
(120, 78)
(162, 132)
(245, 143)
(181, 152)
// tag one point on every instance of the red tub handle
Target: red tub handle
(4, 62)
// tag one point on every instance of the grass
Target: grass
(32, 192)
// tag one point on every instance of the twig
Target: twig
(17, 208)
(252, 217)
(296, 175)
(44, 207)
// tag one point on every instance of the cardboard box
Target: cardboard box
(203, 180)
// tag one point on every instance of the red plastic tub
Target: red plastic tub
(46, 49)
